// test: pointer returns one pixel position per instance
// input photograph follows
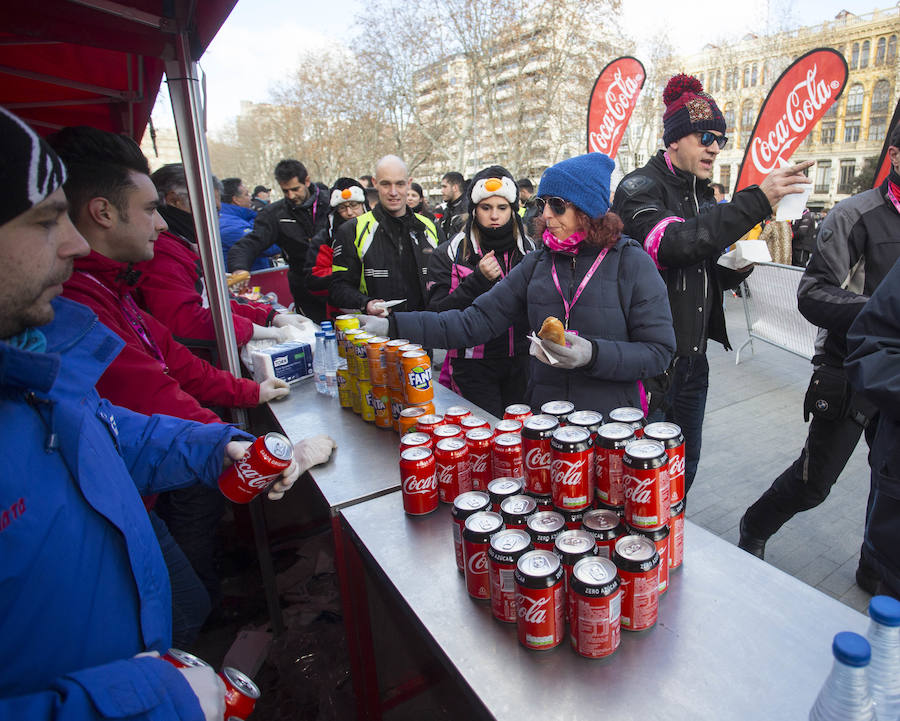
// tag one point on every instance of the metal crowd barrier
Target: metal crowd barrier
(770, 305)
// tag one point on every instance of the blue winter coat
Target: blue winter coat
(83, 585)
(623, 310)
(234, 223)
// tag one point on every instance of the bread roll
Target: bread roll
(552, 329)
(240, 276)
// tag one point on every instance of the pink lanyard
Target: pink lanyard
(893, 196)
(133, 316)
(587, 276)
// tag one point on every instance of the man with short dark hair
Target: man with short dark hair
(454, 211)
(289, 223)
(260, 198)
(669, 207)
(718, 192)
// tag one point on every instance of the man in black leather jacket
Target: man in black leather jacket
(669, 207)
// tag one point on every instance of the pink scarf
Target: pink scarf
(569, 245)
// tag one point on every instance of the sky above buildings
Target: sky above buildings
(262, 39)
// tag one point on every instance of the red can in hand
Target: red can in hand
(263, 462)
(183, 659)
(241, 693)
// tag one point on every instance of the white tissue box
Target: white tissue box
(288, 361)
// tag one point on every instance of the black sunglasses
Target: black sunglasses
(557, 205)
(707, 138)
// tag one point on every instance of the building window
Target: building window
(854, 57)
(767, 73)
(892, 50)
(851, 131)
(747, 76)
(729, 118)
(866, 51)
(855, 99)
(718, 81)
(832, 111)
(725, 177)
(879, 51)
(848, 170)
(638, 160)
(881, 95)
(823, 176)
(753, 76)
(748, 116)
(700, 77)
(828, 133)
(877, 128)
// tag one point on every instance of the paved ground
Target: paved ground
(754, 429)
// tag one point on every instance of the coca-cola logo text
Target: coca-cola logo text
(676, 466)
(537, 459)
(478, 462)
(478, 562)
(533, 610)
(252, 477)
(619, 97)
(568, 473)
(413, 485)
(638, 489)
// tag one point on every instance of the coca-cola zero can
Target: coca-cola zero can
(516, 509)
(544, 527)
(571, 546)
(506, 548)
(418, 481)
(595, 605)
(660, 538)
(477, 532)
(266, 458)
(637, 559)
(570, 472)
(646, 484)
(540, 600)
(605, 526)
(464, 505)
(500, 488)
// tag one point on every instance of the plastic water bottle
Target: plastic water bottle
(331, 364)
(319, 363)
(884, 669)
(845, 694)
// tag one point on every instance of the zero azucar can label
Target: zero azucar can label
(571, 546)
(465, 505)
(606, 527)
(506, 548)
(595, 607)
(544, 527)
(646, 484)
(477, 532)
(637, 559)
(540, 600)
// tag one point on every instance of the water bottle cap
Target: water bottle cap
(851, 649)
(320, 334)
(885, 610)
(329, 334)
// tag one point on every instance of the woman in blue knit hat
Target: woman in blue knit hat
(601, 285)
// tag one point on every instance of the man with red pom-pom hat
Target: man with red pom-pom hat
(669, 207)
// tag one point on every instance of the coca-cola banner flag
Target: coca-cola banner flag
(796, 102)
(612, 102)
(884, 162)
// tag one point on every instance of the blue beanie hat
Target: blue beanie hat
(582, 180)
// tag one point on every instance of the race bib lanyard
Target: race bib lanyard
(581, 286)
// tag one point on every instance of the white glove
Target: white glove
(373, 324)
(235, 450)
(313, 451)
(272, 389)
(576, 353)
(283, 320)
(209, 689)
(261, 332)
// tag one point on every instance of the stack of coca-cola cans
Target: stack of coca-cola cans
(558, 517)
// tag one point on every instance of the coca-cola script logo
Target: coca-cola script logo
(612, 103)
(447, 475)
(795, 104)
(478, 563)
(676, 466)
(537, 459)
(568, 473)
(479, 462)
(414, 486)
(639, 490)
(250, 476)
(533, 610)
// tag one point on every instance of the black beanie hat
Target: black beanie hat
(30, 170)
(688, 109)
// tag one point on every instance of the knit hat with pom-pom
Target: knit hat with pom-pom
(688, 109)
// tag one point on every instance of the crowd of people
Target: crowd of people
(110, 504)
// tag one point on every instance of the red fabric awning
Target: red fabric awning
(95, 62)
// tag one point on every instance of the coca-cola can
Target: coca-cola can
(467, 423)
(506, 455)
(464, 505)
(241, 693)
(454, 414)
(414, 438)
(447, 430)
(506, 548)
(477, 532)
(544, 527)
(428, 422)
(618, 510)
(595, 606)
(480, 444)
(516, 509)
(571, 546)
(572, 518)
(500, 488)
(606, 527)
(517, 412)
(592, 420)
(183, 659)
(671, 437)
(646, 485)
(660, 538)
(260, 466)
(558, 409)
(637, 559)
(418, 481)
(676, 535)
(570, 468)
(633, 417)
(610, 447)
(544, 503)
(508, 425)
(451, 464)
(540, 600)
(536, 434)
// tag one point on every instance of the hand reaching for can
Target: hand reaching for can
(209, 690)
(237, 451)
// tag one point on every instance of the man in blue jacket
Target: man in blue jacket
(85, 600)
(236, 218)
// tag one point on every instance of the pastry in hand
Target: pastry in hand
(552, 329)
(240, 276)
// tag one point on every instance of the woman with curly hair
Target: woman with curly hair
(601, 285)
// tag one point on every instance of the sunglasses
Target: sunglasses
(557, 205)
(707, 138)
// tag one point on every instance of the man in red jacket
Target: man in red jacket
(113, 204)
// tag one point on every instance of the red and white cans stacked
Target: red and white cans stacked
(481, 468)
(540, 600)
(477, 532)
(506, 548)
(646, 485)
(637, 559)
(536, 434)
(465, 505)
(451, 461)
(418, 482)
(595, 607)
(672, 439)
(611, 441)
(506, 455)
(570, 468)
